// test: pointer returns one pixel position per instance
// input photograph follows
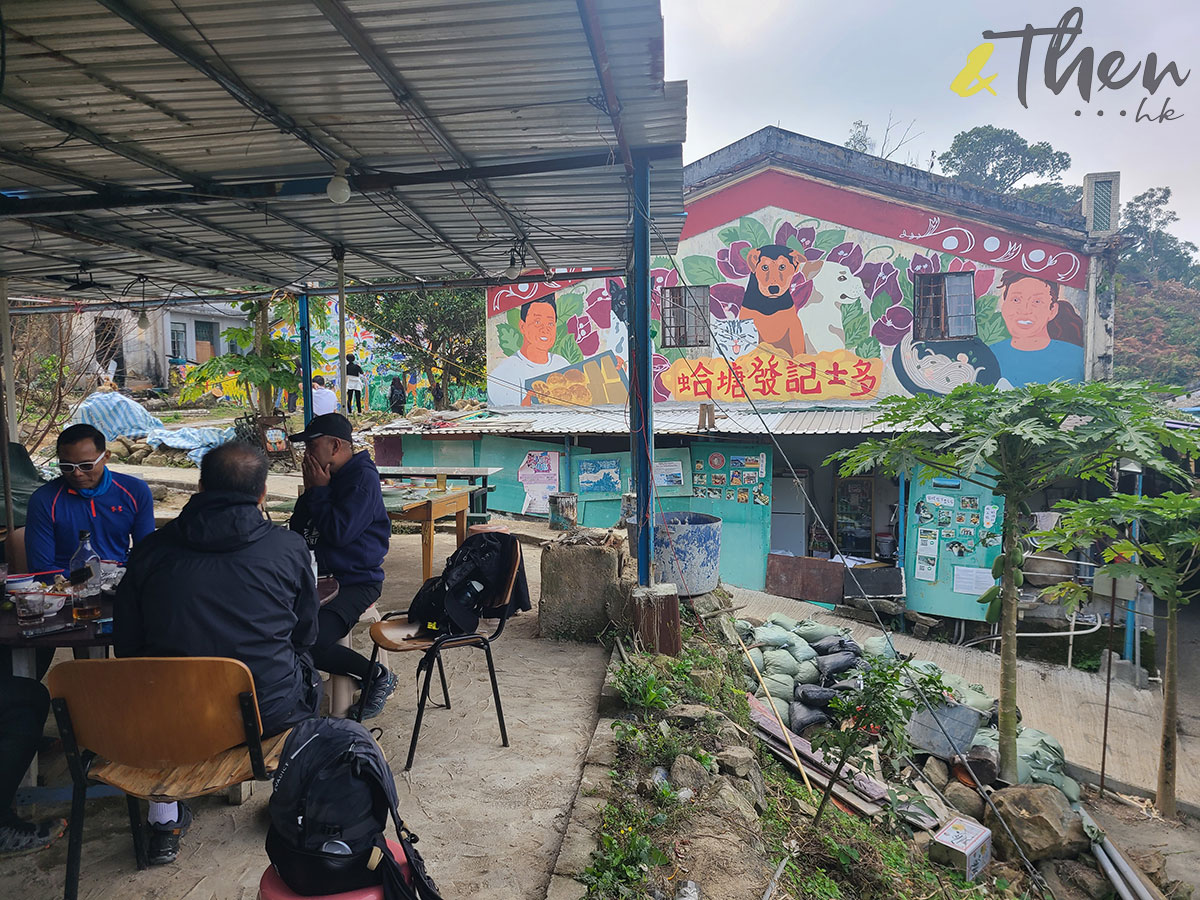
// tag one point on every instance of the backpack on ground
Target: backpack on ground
(333, 796)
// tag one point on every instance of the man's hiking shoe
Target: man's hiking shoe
(27, 837)
(382, 687)
(164, 837)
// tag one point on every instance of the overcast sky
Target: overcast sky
(814, 67)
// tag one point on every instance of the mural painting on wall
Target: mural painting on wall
(799, 309)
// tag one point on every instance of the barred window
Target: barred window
(945, 306)
(685, 316)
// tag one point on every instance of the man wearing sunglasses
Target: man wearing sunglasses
(116, 509)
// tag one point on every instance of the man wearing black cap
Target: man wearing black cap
(341, 516)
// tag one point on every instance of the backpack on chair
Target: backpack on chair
(333, 796)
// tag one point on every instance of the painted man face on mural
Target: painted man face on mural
(539, 327)
(1027, 307)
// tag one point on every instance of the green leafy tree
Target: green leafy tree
(997, 158)
(1150, 253)
(1162, 552)
(270, 363)
(1157, 334)
(1066, 197)
(1016, 443)
(441, 332)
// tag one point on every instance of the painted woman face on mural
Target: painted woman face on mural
(539, 327)
(1027, 307)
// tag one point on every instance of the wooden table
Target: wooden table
(410, 504)
(469, 474)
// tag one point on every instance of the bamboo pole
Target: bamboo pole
(787, 735)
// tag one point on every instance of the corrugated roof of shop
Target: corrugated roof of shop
(91, 100)
(677, 420)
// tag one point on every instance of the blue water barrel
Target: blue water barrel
(687, 550)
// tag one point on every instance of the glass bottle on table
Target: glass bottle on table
(86, 605)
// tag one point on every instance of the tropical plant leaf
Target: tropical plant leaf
(729, 234)
(753, 231)
(700, 270)
(514, 317)
(989, 323)
(509, 337)
(829, 238)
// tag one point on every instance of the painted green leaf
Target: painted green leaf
(989, 324)
(514, 317)
(753, 231)
(568, 305)
(729, 234)
(829, 238)
(701, 270)
(661, 262)
(793, 243)
(880, 304)
(567, 347)
(510, 338)
(857, 328)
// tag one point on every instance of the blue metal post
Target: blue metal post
(305, 358)
(900, 525)
(641, 381)
(1131, 629)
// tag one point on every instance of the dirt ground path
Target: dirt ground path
(490, 818)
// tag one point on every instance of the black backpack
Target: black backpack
(452, 603)
(333, 795)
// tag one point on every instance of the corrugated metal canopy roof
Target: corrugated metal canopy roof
(207, 99)
(673, 419)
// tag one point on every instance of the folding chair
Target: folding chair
(158, 729)
(402, 636)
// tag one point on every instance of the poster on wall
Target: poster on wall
(539, 475)
(927, 553)
(972, 580)
(668, 473)
(600, 476)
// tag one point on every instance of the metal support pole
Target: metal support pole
(900, 524)
(305, 358)
(641, 383)
(339, 254)
(6, 349)
(1131, 626)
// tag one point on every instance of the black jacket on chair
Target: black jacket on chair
(486, 558)
(221, 580)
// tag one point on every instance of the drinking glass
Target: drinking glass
(86, 605)
(31, 607)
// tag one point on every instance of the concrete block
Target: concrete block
(575, 854)
(565, 888)
(579, 584)
(1124, 670)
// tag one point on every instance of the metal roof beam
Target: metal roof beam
(441, 236)
(594, 32)
(46, 167)
(128, 150)
(347, 26)
(79, 230)
(227, 80)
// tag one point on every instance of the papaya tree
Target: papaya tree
(1016, 443)
(1163, 553)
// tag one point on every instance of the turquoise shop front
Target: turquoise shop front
(727, 479)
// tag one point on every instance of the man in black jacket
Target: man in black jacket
(343, 520)
(221, 580)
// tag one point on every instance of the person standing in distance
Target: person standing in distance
(354, 384)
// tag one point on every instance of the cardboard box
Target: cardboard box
(963, 844)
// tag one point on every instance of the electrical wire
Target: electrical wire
(1035, 876)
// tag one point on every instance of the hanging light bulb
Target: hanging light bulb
(143, 320)
(512, 271)
(338, 189)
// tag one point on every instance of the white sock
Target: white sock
(162, 813)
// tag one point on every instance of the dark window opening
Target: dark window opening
(685, 316)
(945, 306)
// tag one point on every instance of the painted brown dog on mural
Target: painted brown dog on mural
(768, 299)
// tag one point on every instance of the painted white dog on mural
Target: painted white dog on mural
(834, 285)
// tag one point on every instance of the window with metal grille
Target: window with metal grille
(685, 316)
(178, 340)
(945, 306)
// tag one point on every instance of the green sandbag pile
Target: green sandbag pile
(1040, 759)
(878, 646)
(970, 694)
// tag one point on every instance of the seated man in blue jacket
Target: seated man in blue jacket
(116, 509)
(342, 517)
(221, 580)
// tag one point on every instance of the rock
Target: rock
(159, 492)
(921, 841)
(137, 457)
(154, 405)
(937, 773)
(706, 680)
(753, 788)
(1076, 874)
(728, 802)
(688, 773)
(1044, 823)
(155, 459)
(1153, 865)
(728, 633)
(1013, 874)
(708, 603)
(919, 619)
(689, 890)
(686, 715)
(964, 799)
(736, 761)
(921, 631)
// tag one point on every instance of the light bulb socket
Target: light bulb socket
(338, 189)
(143, 320)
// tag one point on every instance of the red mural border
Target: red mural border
(887, 219)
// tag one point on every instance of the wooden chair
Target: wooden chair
(158, 729)
(401, 636)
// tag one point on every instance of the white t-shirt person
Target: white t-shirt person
(323, 399)
(539, 327)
